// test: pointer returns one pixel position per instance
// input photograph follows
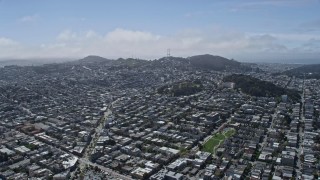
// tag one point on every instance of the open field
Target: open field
(214, 142)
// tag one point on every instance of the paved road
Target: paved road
(85, 160)
(273, 117)
(97, 133)
(265, 138)
(93, 141)
(301, 133)
(109, 171)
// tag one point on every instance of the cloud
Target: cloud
(296, 37)
(197, 14)
(9, 48)
(128, 36)
(67, 35)
(147, 45)
(310, 26)
(6, 42)
(258, 5)
(29, 18)
(313, 45)
(264, 43)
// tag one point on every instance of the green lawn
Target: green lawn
(209, 146)
(212, 143)
(219, 136)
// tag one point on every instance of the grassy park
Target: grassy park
(213, 143)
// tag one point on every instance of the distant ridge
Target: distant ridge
(20, 63)
(204, 62)
(31, 62)
(93, 59)
(307, 71)
(208, 61)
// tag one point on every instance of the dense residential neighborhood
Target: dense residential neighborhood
(169, 118)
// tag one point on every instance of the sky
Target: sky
(245, 30)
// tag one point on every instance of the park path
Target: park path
(224, 134)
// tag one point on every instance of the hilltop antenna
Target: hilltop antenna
(168, 53)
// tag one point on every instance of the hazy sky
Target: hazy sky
(260, 30)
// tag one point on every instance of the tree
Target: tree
(3, 157)
(96, 168)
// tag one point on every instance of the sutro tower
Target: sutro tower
(168, 53)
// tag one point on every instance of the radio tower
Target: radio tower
(168, 53)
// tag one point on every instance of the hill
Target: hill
(256, 87)
(217, 63)
(93, 59)
(131, 62)
(183, 88)
(32, 62)
(203, 62)
(307, 71)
